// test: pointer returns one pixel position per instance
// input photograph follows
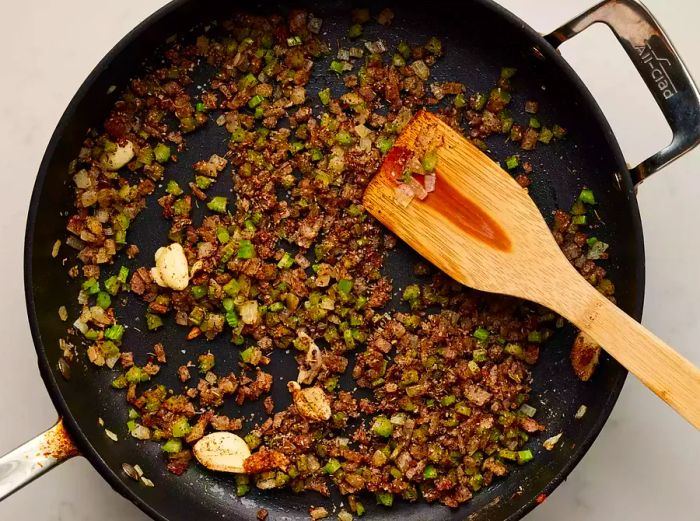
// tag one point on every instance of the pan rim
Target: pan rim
(47, 373)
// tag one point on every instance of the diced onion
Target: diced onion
(80, 326)
(377, 47)
(302, 261)
(112, 361)
(404, 461)
(141, 433)
(597, 250)
(74, 242)
(437, 91)
(249, 312)
(100, 316)
(528, 410)
(327, 303)
(398, 419)
(323, 279)
(315, 24)
(418, 189)
(350, 98)
(549, 443)
(581, 412)
(298, 95)
(317, 513)
(429, 181)
(362, 131)
(312, 463)
(95, 356)
(421, 69)
(130, 471)
(85, 314)
(402, 118)
(403, 195)
(102, 215)
(82, 179)
(88, 198)
(336, 163)
(266, 484)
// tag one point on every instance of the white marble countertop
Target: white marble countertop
(644, 466)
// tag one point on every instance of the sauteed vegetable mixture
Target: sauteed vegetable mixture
(290, 261)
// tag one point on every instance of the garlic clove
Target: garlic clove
(155, 275)
(311, 402)
(172, 268)
(222, 451)
(118, 158)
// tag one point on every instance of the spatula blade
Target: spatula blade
(479, 226)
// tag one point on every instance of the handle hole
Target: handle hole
(636, 119)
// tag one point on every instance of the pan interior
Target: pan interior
(478, 40)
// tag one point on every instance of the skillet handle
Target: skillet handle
(39, 455)
(659, 65)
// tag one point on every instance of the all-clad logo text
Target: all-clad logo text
(659, 67)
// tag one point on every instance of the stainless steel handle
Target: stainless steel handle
(29, 461)
(659, 65)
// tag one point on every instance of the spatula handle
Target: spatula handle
(663, 370)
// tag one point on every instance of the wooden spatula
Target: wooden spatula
(483, 230)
